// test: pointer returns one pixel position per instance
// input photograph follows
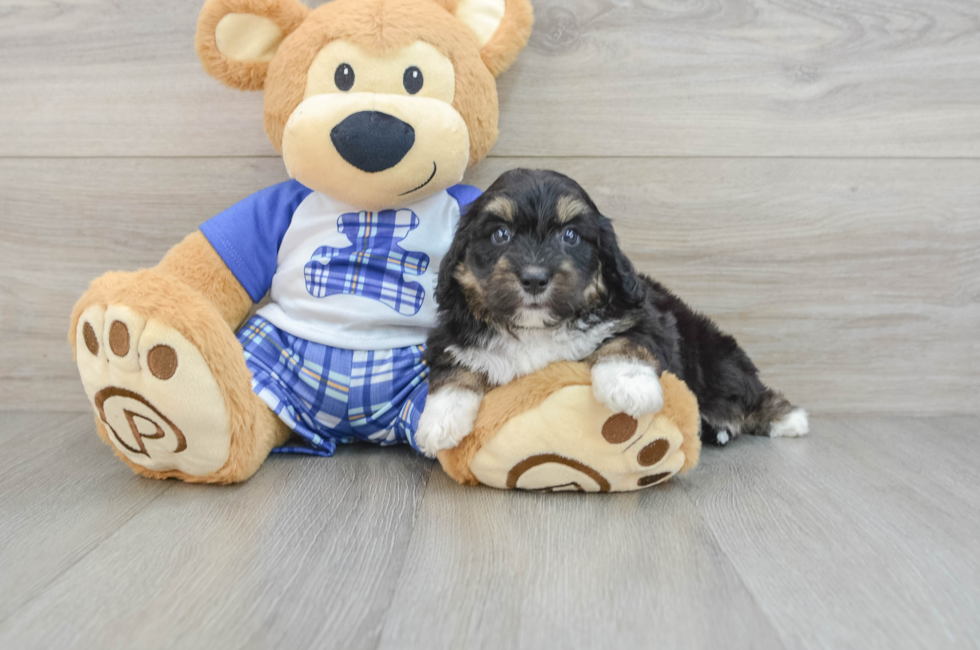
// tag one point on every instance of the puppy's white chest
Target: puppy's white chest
(507, 357)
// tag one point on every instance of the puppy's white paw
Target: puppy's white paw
(792, 425)
(627, 386)
(448, 417)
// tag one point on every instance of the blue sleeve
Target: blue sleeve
(464, 195)
(248, 234)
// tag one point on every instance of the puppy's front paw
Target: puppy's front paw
(627, 386)
(447, 418)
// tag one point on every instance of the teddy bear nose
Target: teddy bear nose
(372, 141)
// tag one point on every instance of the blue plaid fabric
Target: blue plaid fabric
(327, 395)
(374, 264)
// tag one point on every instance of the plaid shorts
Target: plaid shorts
(328, 395)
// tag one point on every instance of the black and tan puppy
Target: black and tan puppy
(534, 276)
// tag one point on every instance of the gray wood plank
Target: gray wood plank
(733, 78)
(490, 569)
(305, 554)
(861, 536)
(937, 452)
(62, 493)
(851, 282)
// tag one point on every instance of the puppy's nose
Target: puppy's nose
(535, 280)
(372, 141)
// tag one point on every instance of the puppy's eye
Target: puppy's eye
(412, 80)
(570, 237)
(344, 77)
(500, 236)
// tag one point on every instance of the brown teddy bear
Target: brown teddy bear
(378, 108)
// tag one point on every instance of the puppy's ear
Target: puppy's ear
(501, 26)
(617, 271)
(449, 297)
(236, 39)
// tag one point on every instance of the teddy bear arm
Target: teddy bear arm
(195, 263)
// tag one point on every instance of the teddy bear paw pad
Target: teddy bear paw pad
(153, 392)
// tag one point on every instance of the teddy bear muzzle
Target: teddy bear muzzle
(376, 151)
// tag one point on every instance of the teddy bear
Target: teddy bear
(378, 108)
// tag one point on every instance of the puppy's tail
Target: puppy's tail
(776, 417)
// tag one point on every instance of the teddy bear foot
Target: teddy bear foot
(547, 432)
(152, 392)
(582, 446)
(168, 381)
(634, 459)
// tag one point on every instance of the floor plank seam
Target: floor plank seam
(67, 569)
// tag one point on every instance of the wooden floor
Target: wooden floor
(862, 536)
(807, 173)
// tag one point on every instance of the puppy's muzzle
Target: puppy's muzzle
(372, 141)
(535, 280)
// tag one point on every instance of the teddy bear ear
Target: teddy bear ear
(236, 39)
(501, 26)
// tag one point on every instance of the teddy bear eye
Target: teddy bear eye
(412, 80)
(344, 77)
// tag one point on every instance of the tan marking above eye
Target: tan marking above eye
(119, 338)
(91, 341)
(501, 206)
(383, 73)
(569, 207)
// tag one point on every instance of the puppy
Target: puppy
(535, 275)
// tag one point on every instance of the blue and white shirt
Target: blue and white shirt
(340, 276)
